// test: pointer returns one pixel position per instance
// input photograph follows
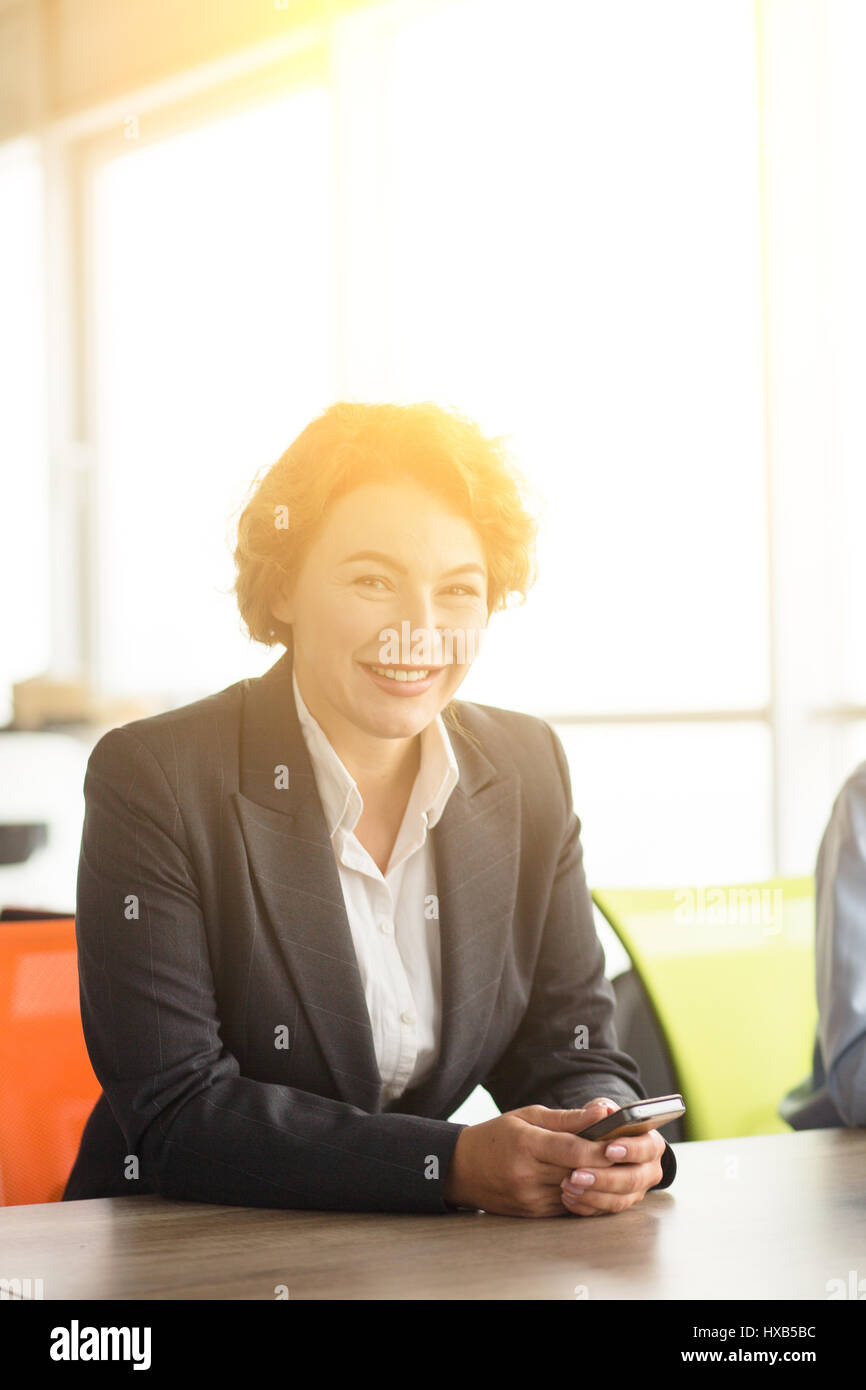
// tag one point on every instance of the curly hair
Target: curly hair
(352, 443)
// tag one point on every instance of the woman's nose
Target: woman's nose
(420, 612)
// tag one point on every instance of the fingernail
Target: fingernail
(574, 1192)
(586, 1178)
(615, 1151)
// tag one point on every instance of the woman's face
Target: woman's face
(389, 558)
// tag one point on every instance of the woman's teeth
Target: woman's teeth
(419, 674)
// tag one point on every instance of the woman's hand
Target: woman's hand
(632, 1166)
(521, 1163)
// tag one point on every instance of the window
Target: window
(25, 555)
(847, 346)
(565, 224)
(213, 331)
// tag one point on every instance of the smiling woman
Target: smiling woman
(318, 908)
(404, 475)
(447, 539)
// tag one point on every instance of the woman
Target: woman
(316, 909)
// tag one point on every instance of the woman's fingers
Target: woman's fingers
(624, 1178)
(578, 1206)
(566, 1149)
(636, 1148)
(596, 1203)
(610, 1189)
(570, 1151)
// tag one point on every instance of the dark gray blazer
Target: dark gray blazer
(210, 917)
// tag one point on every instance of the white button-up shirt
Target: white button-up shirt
(393, 918)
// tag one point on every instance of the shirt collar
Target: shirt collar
(342, 802)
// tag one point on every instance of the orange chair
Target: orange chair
(47, 1085)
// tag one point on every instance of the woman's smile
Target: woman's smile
(403, 681)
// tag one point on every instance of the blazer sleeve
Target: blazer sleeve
(201, 1130)
(840, 904)
(565, 1051)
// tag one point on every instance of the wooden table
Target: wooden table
(773, 1217)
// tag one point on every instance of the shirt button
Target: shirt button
(386, 928)
(406, 1017)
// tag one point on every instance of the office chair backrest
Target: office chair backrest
(730, 975)
(47, 1085)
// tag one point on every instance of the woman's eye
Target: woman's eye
(377, 581)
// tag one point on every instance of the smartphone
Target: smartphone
(636, 1118)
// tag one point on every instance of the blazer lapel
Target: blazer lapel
(295, 873)
(476, 847)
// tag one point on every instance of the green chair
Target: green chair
(729, 975)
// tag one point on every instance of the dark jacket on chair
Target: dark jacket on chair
(210, 915)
